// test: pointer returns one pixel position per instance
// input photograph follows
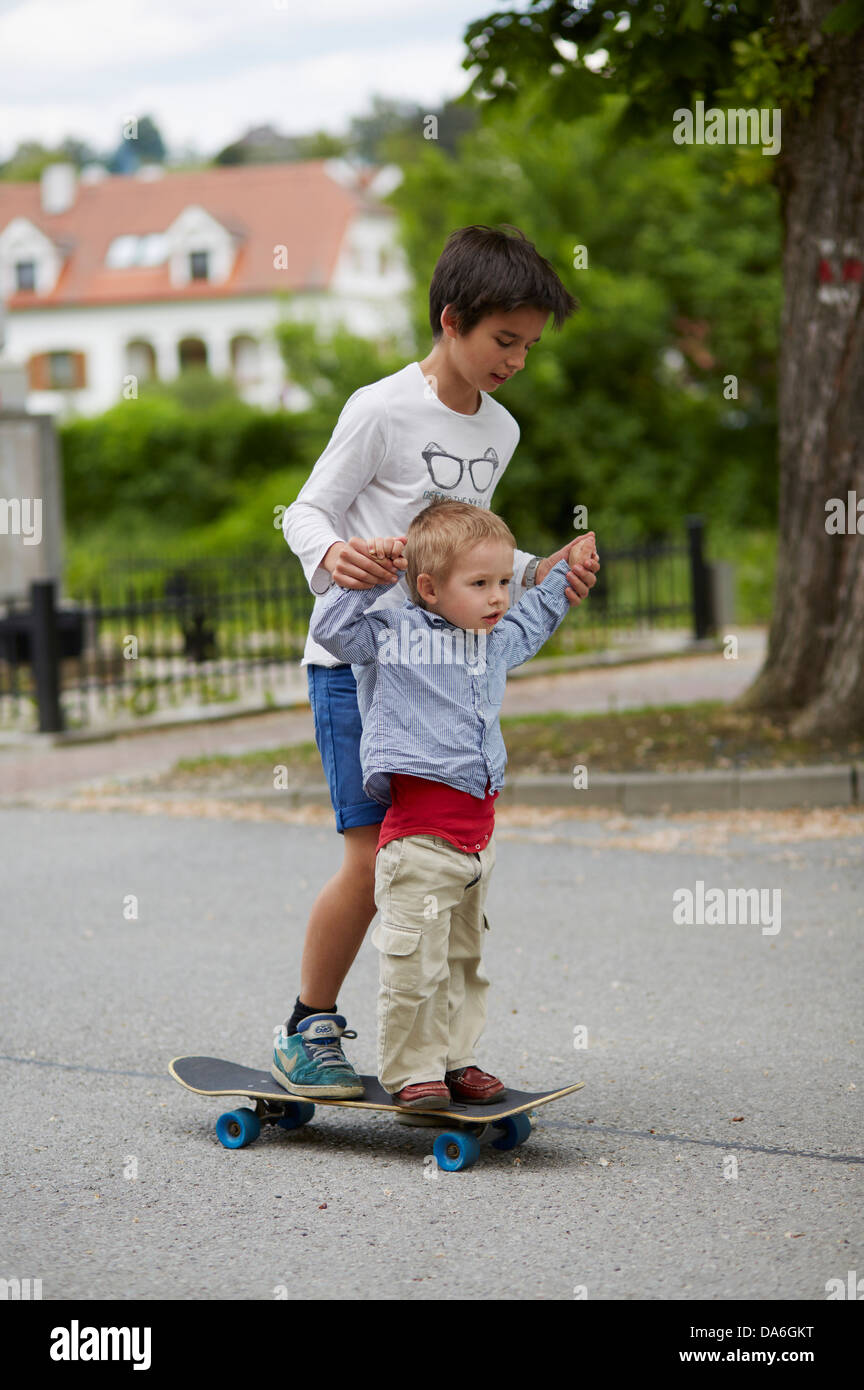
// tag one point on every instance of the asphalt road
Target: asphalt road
(714, 1152)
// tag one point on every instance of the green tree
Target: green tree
(147, 147)
(805, 60)
(625, 409)
(27, 161)
(331, 366)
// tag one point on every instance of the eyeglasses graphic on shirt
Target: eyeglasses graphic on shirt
(446, 470)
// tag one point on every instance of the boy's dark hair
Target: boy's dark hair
(482, 271)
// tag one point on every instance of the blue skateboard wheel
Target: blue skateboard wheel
(237, 1128)
(455, 1150)
(297, 1113)
(515, 1129)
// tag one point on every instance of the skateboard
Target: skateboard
(457, 1147)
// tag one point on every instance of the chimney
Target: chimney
(58, 185)
(93, 173)
(343, 171)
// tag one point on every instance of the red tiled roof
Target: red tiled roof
(297, 205)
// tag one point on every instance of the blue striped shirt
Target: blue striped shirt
(424, 714)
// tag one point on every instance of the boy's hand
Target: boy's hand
(389, 551)
(584, 552)
(584, 561)
(360, 564)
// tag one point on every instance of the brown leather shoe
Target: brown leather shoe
(426, 1095)
(470, 1083)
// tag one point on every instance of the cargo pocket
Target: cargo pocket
(396, 941)
(400, 964)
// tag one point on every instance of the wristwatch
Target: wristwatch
(528, 577)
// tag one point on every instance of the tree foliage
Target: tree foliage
(657, 55)
(800, 62)
(626, 410)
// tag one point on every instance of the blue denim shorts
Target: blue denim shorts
(338, 727)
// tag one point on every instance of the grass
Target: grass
(673, 738)
(669, 738)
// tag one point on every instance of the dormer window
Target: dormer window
(130, 250)
(25, 275)
(198, 269)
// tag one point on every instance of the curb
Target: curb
(826, 784)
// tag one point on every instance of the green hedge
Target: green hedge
(151, 461)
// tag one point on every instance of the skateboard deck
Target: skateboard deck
(212, 1076)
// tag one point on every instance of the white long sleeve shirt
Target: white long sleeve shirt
(395, 448)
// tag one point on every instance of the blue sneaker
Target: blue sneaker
(311, 1062)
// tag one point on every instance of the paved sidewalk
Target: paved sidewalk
(43, 766)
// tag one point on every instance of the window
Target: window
(198, 265)
(61, 370)
(122, 252)
(192, 352)
(132, 250)
(245, 360)
(152, 249)
(25, 275)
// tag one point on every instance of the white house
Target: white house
(104, 278)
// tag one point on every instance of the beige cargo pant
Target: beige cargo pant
(432, 989)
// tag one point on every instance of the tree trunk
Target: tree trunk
(815, 660)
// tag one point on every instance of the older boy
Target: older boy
(432, 429)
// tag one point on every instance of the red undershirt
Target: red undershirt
(421, 807)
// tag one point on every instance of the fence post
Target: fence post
(45, 655)
(700, 580)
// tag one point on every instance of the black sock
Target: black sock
(302, 1011)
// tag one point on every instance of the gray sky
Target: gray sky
(206, 70)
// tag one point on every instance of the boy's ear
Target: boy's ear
(426, 587)
(450, 320)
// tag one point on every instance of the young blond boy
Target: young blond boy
(432, 753)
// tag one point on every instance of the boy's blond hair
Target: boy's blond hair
(438, 533)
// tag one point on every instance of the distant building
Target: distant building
(104, 277)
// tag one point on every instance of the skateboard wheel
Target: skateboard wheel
(237, 1128)
(515, 1129)
(296, 1113)
(456, 1150)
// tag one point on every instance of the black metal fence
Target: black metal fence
(156, 640)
